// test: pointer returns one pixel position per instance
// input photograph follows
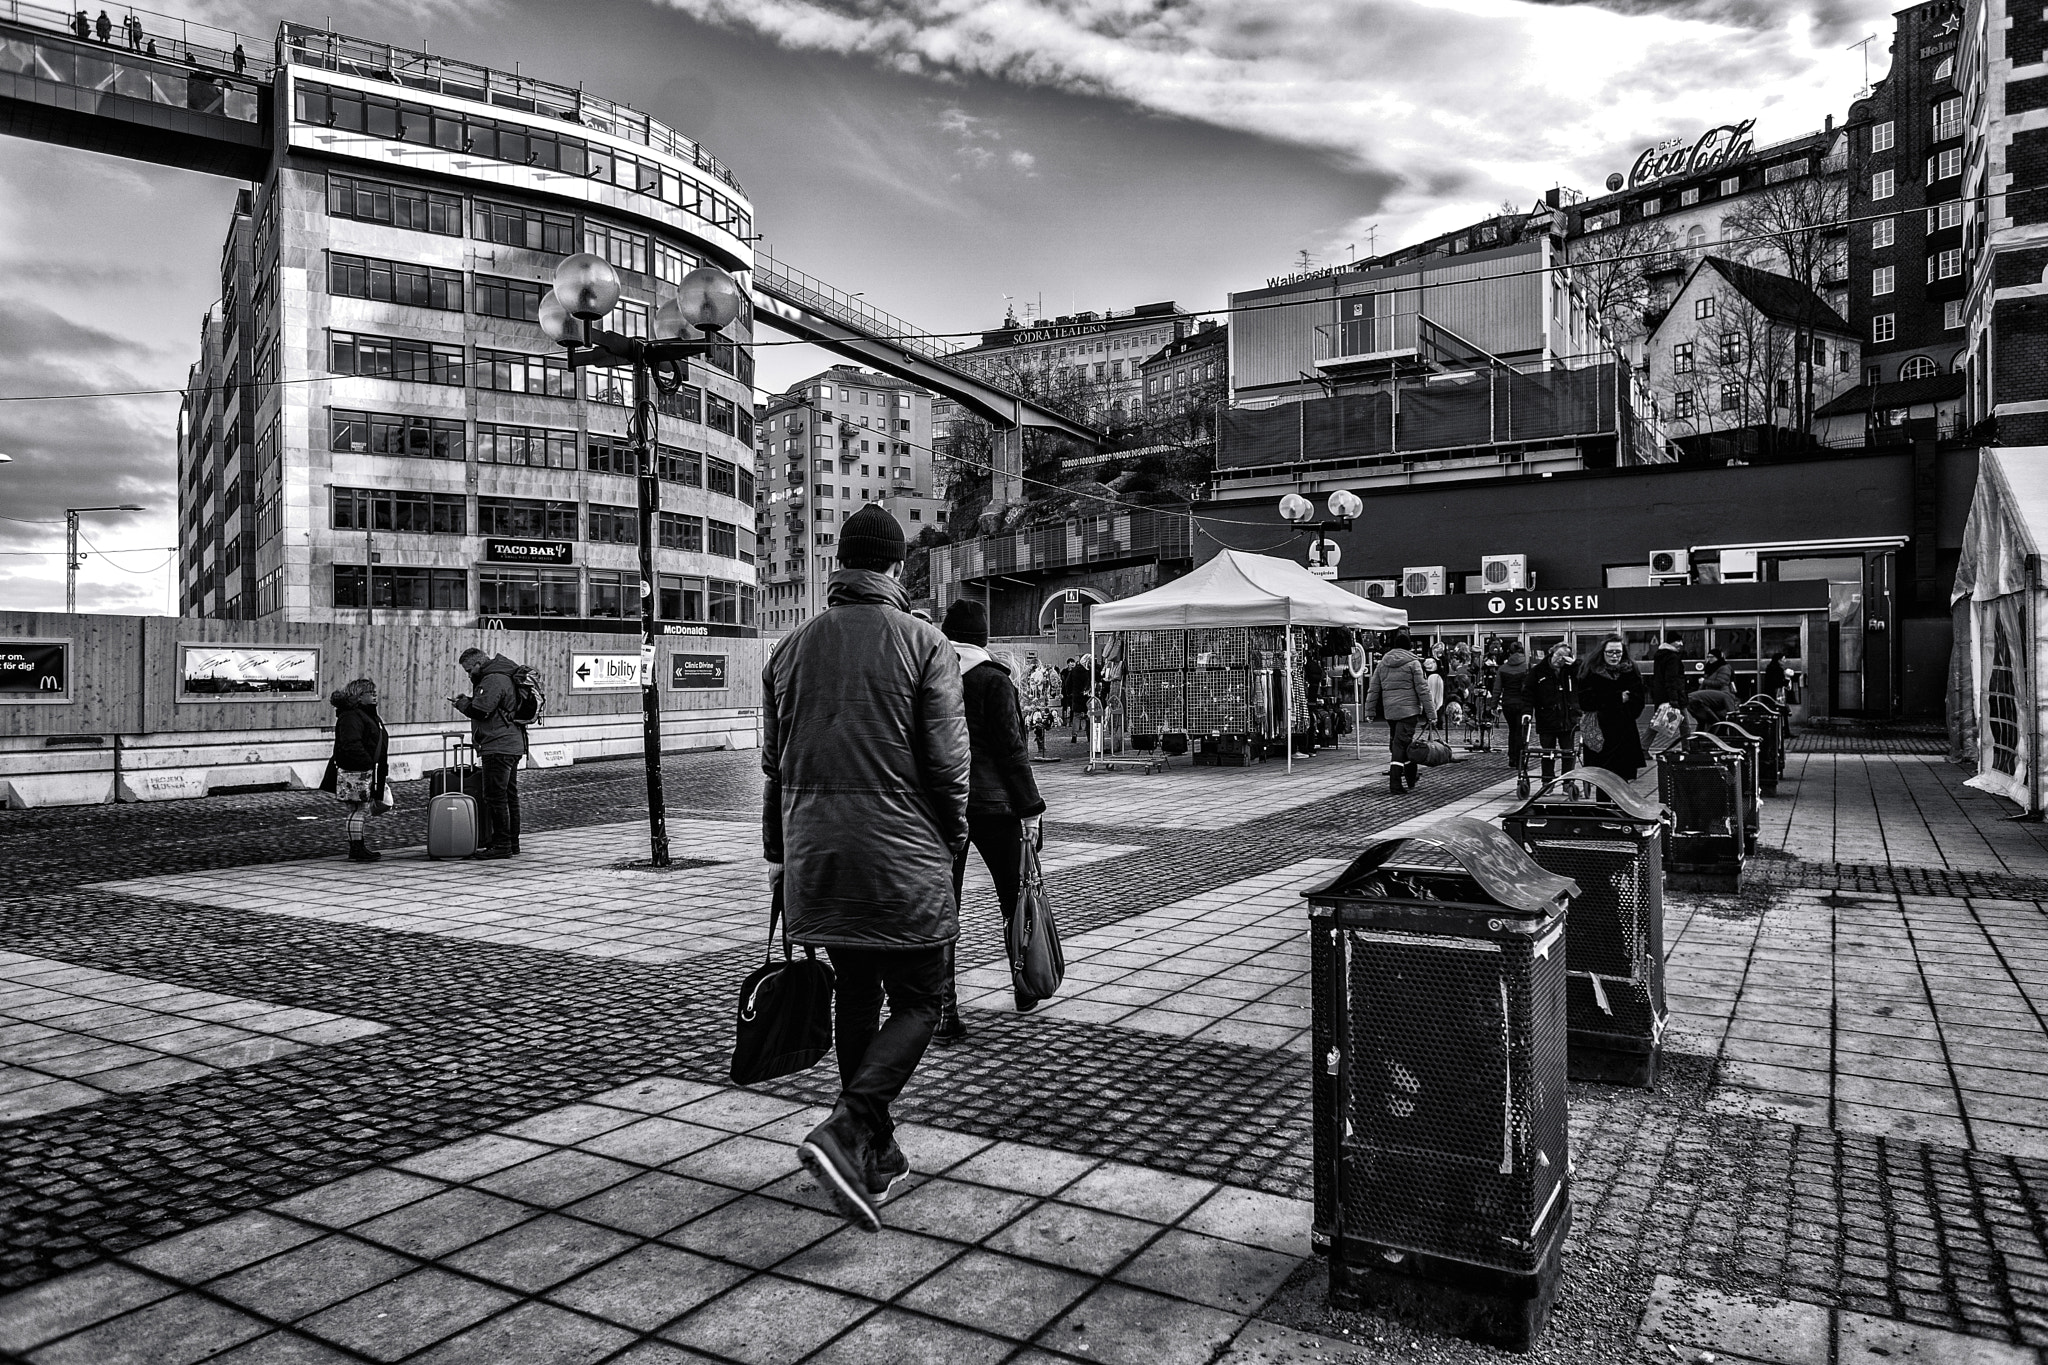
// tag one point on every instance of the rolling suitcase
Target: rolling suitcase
(452, 814)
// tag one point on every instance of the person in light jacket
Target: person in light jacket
(863, 817)
(360, 765)
(1003, 805)
(1400, 695)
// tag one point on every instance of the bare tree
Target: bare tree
(1608, 269)
(1796, 228)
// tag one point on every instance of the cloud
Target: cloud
(1461, 102)
(1023, 161)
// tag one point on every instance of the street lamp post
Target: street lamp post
(708, 300)
(71, 555)
(1345, 507)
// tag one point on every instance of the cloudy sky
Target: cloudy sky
(944, 156)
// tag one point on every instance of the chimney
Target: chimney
(1829, 126)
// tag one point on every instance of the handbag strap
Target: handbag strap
(775, 922)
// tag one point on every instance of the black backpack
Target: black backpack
(529, 698)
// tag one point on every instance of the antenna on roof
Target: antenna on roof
(1865, 45)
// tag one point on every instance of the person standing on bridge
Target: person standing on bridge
(81, 25)
(104, 27)
(241, 58)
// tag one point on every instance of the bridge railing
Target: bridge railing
(165, 37)
(786, 281)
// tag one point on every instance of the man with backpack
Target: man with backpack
(505, 700)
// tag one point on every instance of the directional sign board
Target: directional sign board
(35, 671)
(602, 672)
(703, 672)
(1323, 570)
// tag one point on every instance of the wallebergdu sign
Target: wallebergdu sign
(1716, 148)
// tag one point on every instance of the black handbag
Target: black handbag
(1037, 964)
(785, 1011)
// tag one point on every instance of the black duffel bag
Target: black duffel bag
(785, 1010)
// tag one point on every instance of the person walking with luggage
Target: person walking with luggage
(1554, 702)
(1611, 695)
(1003, 804)
(500, 742)
(866, 752)
(360, 764)
(1400, 695)
(1512, 679)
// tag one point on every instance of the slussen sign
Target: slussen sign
(1716, 148)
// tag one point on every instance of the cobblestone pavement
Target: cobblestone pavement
(535, 1156)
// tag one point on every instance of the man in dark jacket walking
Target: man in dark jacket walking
(1512, 678)
(500, 743)
(1003, 804)
(1399, 694)
(1667, 674)
(864, 743)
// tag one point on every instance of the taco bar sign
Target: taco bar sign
(1717, 147)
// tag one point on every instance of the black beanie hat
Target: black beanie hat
(870, 539)
(967, 622)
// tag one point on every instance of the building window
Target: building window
(1881, 184)
(518, 300)
(1595, 222)
(1882, 233)
(1687, 198)
(380, 433)
(526, 592)
(1731, 348)
(1881, 280)
(374, 201)
(1684, 405)
(1786, 170)
(672, 263)
(520, 372)
(672, 465)
(614, 596)
(374, 357)
(419, 286)
(1918, 367)
(1731, 397)
(609, 525)
(1942, 165)
(1884, 327)
(1952, 313)
(1703, 308)
(1681, 358)
(401, 588)
(511, 225)
(1946, 70)
(681, 599)
(1652, 207)
(605, 455)
(526, 519)
(1945, 215)
(678, 532)
(1882, 136)
(535, 447)
(397, 509)
(1731, 185)
(1945, 265)
(626, 250)
(1948, 118)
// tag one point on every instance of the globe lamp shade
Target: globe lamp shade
(1346, 505)
(1294, 507)
(669, 323)
(587, 285)
(555, 322)
(709, 299)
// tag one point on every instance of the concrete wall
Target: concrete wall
(126, 734)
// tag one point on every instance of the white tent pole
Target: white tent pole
(1289, 628)
(1088, 709)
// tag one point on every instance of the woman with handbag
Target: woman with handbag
(1003, 804)
(360, 766)
(1611, 695)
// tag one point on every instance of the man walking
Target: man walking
(864, 743)
(1400, 695)
(501, 744)
(1513, 678)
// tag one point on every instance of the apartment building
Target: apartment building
(378, 429)
(829, 446)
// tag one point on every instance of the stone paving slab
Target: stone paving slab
(72, 1035)
(1906, 810)
(1185, 797)
(1692, 1322)
(552, 1233)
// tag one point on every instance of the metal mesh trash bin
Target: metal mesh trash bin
(1752, 749)
(1441, 1142)
(1591, 826)
(1767, 719)
(1699, 780)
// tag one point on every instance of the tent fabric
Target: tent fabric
(2001, 657)
(1239, 589)
(2008, 521)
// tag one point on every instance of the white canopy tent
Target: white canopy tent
(1236, 589)
(2000, 657)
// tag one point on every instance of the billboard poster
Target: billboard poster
(214, 672)
(35, 670)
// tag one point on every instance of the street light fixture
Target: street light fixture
(72, 559)
(1344, 507)
(687, 324)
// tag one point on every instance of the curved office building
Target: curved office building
(377, 426)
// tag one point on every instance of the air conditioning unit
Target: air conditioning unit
(1504, 573)
(1427, 582)
(1379, 587)
(1669, 567)
(1738, 566)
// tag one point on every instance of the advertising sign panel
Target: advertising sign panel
(216, 672)
(698, 672)
(35, 670)
(599, 672)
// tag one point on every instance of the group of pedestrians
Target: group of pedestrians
(86, 29)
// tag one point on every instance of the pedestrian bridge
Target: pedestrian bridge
(155, 88)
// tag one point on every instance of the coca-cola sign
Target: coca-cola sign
(1716, 148)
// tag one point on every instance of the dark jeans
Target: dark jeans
(1514, 716)
(1399, 734)
(876, 1058)
(1564, 740)
(1000, 841)
(501, 799)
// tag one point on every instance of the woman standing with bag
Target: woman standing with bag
(1554, 701)
(1003, 804)
(1611, 695)
(360, 766)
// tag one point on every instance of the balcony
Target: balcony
(1367, 342)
